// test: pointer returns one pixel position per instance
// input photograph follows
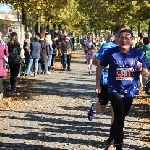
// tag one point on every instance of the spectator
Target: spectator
(3, 72)
(44, 54)
(54, 51)
(101, 41)
(65, 51)
(34, 56)
(73, 40)
(78, 42)
(146, 50)
(27, 50)
(49, 59)
(14, 48)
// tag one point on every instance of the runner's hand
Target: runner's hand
(95, 61)
(139, 65)
(97, 88)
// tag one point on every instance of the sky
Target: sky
(5, 8)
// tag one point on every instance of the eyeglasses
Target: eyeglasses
(126, 30)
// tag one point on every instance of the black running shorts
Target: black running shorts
(103, 96)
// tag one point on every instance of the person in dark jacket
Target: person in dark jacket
(14, 68)
(54, 52)
(73, 40)
(34, 56)
(27, 50)
(65, 52)
(45, 49)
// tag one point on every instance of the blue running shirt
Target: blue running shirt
(99, 54)
(122, 73)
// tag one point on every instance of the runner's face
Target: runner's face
(111, 39)
(125, 41)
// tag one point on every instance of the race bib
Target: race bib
(124, 74)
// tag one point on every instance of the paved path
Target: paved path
(55, 118)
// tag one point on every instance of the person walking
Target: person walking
(49, 59)
(35, 47)
(78, 42)
(44, 54)
(54, 52)
(65, 51)
(125, 65)
(73, 41)
(14, 59)
(27, 50)
(3, 71)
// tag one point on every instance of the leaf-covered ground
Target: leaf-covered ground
(141, 109)
(23, 83)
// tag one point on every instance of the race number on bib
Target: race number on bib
(124, 74)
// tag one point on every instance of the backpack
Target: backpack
(14, 57)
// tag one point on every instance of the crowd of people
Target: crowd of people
(39, 54)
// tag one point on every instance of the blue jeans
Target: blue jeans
(49, 60)
(27, 58)
(66, 59)
(33, 61)
(78, 46)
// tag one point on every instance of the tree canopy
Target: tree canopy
(83, 15)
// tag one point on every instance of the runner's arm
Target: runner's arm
(144, 71)
(99, 70)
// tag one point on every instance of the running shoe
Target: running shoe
(91, 112)
(109, 144)
(14, 90)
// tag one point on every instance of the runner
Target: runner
(100, 106)
(89, 58)
(125, 65)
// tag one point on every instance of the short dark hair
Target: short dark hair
(27, 36)
(146, 40)
(119, 26)
(126, 30)
(14, 34)
(109, 36)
